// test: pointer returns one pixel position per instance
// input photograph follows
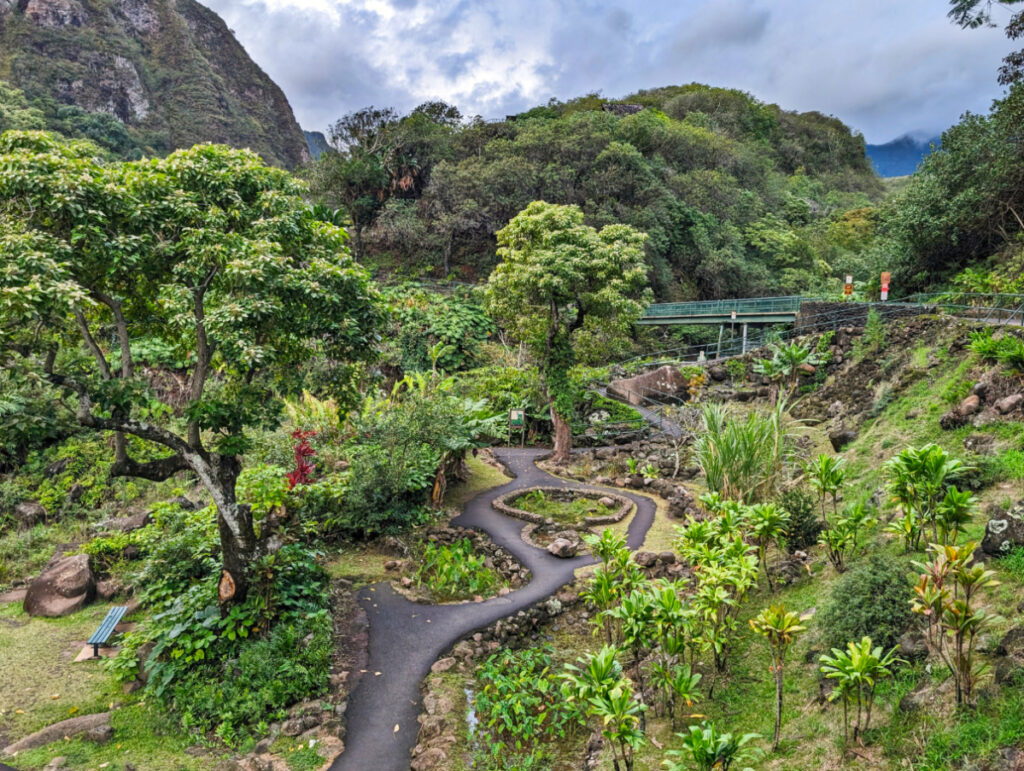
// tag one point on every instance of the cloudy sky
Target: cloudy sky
(886, 67)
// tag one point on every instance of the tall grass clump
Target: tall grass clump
(744, 459)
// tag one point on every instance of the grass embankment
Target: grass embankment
(40, 685)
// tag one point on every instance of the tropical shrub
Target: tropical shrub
(918, 480)
(519, 707)
(804, 522)
(871, 600)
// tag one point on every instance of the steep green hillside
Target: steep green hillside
(144, 77)
(736, 196)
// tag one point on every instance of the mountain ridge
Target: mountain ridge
(169, 71)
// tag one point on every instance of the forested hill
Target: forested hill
(736, 196)
(143, 77)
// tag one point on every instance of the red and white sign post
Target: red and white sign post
(885, 286)
(848, 289)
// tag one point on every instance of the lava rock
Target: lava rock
(65, 586)
(1009, 404)
(1004, 531)
(563, 547)
(29, 513)
(842, 437)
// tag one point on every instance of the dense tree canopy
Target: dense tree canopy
(165, 296)
(734, 195)
(966, 203)
(556, 276)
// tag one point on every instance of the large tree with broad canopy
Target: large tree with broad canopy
(209, 258)
(555, 276)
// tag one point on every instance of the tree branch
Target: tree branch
(122, 331)
(90, 343)
(155, 471)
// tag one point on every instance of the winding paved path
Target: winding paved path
(406, 637)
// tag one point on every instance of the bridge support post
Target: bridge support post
(744, 338)
(718, 352)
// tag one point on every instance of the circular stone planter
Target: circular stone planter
(504, 504)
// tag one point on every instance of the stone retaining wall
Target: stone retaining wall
(501, 504)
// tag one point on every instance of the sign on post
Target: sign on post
(517, 419)
(885, 285)
(848, 289)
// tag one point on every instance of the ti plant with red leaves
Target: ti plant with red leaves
(303, 473)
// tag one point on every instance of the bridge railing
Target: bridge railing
(833, 319)
(789, 304)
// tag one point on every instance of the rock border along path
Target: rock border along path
(407, 638)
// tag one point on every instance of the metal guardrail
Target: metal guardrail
(788, 304)
(833, 319)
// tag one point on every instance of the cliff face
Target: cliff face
(170, 71)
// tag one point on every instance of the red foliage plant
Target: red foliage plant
(302, 475)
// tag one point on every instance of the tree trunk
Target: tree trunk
(563, 438)
(239, 545)
(778, 707)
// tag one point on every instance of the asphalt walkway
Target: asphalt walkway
(406, 638)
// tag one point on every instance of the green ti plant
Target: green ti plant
(857, 671)
(919, 479)
(779, 627)
(597, 684)
(766, 524)
(711, 750)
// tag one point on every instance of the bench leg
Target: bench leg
(95, 650)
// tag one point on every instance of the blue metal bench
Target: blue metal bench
(101, 635)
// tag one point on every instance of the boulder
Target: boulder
(1004, 531)
(663, 382)
(842, 437)
(29, 513)
(806, 369)
(563, 547)
(65, 729)
(126, 524)
(913, 646)
(983, 444)
(717, 373)
(606, 501)
(442, 665)
(100, 734)
(65, 586)
(953, 419)
(1009, 404)
(970, 405)
(431, 758)
(1009, 666)
(645, 558)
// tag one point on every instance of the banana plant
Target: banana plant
(779, 627)
(857, 671)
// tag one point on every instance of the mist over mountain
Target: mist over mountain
(901, 156)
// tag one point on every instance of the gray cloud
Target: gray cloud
(885, 68)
